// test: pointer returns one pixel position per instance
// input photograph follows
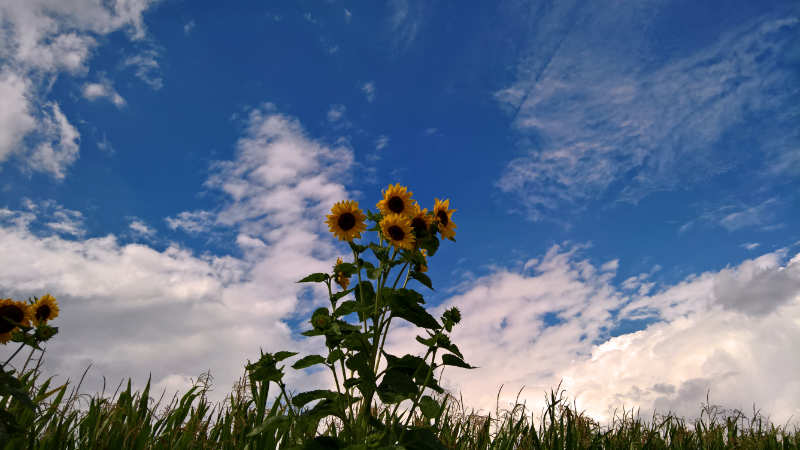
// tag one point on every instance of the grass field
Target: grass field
(125, 419)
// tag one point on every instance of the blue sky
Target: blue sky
(626, 177)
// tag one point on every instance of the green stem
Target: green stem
(12, 356)
(421, 391)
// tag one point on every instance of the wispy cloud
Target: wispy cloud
(336, 113)
(381, 142)
(734, 217)
(598, 121)
(369, 90)
(146, 67)
(188, 27)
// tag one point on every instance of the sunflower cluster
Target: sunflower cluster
(402, 222)
(14, 314)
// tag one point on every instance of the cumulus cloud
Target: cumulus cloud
(723, 332)
(600, 121)
(40, 39)
(133, 309)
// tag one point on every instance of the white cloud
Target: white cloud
(132, 309)
(16, 119)
(336, 113)
(381, 142)
(40, 39)
(348, 16)
(750, 245)
(103, 89)
(603, 122)
(369, 90)
(726, 331)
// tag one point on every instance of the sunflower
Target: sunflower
(46, 308)
(347, 221)
(420, 220)
(397, 230)
(444, 215)
(341, 279)
(397, 200)
(12, 313)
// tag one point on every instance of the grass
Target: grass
(248, 420)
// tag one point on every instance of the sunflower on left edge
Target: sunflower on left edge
(346, 221)
(12, 313)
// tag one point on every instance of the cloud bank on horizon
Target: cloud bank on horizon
(592, 115)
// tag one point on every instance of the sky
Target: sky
(626, 176)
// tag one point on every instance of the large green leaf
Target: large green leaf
(315, 278)
(404, 303)
(304, 398)
(429, 407)
(397, 385)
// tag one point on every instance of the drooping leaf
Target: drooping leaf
(269, 425)
(404, 304)
(452, 360)
(422, 278)
(308, 361)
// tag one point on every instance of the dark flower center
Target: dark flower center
(396, 233)
(347, 221)
(443, 219)
(43, 312)
(10, 312)
(419, 225)
(395, 205)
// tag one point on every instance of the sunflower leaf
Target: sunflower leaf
(452, 360)
(315, 278)
(341, 294)
(405, 303)
(280, 356)
(346, 308)
(308, 361)
(346, 268)
(357, 248)
(422, 278)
